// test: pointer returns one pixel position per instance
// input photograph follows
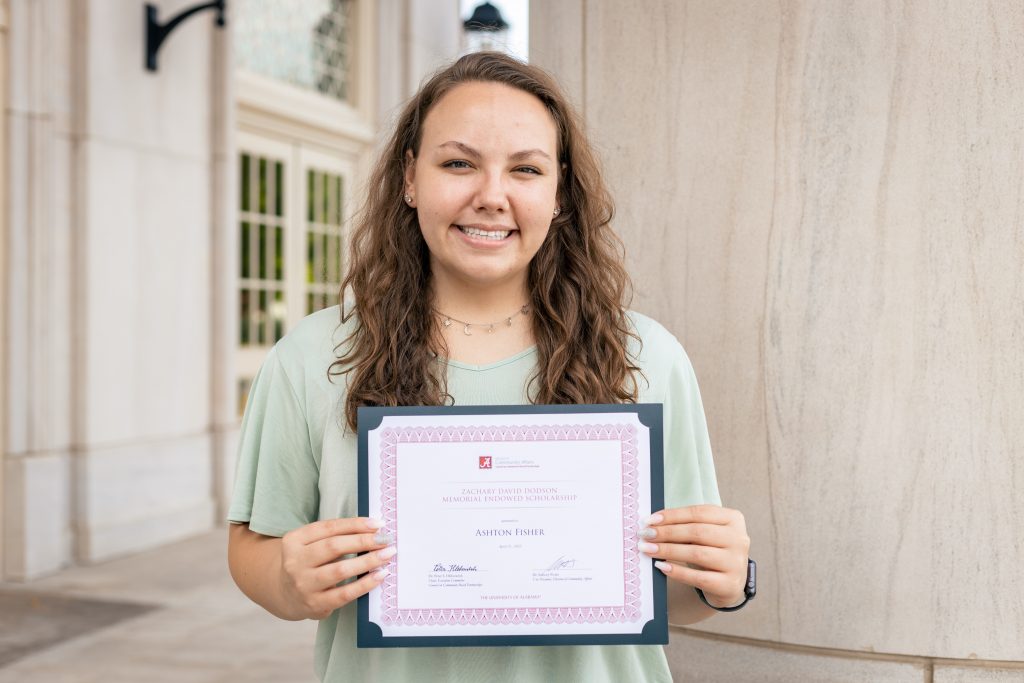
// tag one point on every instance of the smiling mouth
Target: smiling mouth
(494, 235)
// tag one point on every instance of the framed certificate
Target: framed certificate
(514, 525)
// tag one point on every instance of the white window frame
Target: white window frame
(288, 111)
(307, 129)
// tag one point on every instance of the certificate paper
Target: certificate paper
(514, 525)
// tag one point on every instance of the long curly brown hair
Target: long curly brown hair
(578, 286)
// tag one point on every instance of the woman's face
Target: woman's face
(484, 183)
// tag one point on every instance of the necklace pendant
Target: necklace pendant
(490, 328)
(509, 321)
(465, 331)
(447, 322)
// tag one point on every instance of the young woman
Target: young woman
(483, 270)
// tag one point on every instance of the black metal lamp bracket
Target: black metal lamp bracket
(156, 33)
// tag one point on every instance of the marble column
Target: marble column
(825, 202)
(110, 434)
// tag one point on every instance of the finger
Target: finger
(700, 514)
(715, 535)
(332, 574)
(712, 583)
(715, 559)
(317, 531)
(331, 548)
(342, 595)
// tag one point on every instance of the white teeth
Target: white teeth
(486, 234)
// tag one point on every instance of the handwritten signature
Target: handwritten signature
(562, 563)
(454, 568)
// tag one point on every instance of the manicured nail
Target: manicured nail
(379, 573)
(656, 518)
(374, 524)
(647, 533)
(387, 553)
(664, 566)
(646, 547)
(383, 538)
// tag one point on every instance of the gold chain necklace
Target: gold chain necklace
(447, 321)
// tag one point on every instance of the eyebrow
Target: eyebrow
(518, 156)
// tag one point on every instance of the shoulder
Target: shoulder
(305, 354)
(656, 344)
(314, 338)
(659, 355)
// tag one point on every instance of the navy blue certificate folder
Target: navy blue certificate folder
(515, 525)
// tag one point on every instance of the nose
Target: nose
(491, 194)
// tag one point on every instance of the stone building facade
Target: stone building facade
(160, 230)
(823, 201)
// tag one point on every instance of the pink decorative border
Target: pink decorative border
(626, 434)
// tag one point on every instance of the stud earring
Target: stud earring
(556, 212)
(408, 200)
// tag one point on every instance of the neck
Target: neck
(478, 304)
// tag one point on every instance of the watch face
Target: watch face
(751, 588)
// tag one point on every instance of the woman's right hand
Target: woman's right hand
(312, 564)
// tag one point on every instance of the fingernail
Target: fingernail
(646, 547)
(372, 523)
(387, 553)
(383, 538)
(379, 573)
(652, 519)
(647, 533)
(664, 566)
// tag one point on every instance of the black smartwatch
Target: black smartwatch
(749, 590)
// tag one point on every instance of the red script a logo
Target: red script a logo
(485, 462)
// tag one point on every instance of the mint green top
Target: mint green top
(297, 464)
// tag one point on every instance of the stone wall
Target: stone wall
(109, 441)
(825, 202)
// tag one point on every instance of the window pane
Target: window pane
(244, 177)
(244, 249)
(307, 43)
(324, 255)
(279, 254)
(310, 274)
(263, 252)
(243, 318)
(337, 215)
(261, 316)
(325, 194)
(279, 188)
(263, 186)
(279, 312)
(310, 183)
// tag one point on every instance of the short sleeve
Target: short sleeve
(277, 476)
(689, 469)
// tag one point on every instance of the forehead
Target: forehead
(488, 115)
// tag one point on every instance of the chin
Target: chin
(480, 277)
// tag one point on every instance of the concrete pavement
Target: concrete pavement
(199, 628)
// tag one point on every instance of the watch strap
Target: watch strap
(749, 590)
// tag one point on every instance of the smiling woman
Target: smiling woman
(483, 270)
(484, 204)
(489, 145)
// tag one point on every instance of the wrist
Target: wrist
(749, 591)
(724, 603)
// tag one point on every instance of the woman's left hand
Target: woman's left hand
(704, 546)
